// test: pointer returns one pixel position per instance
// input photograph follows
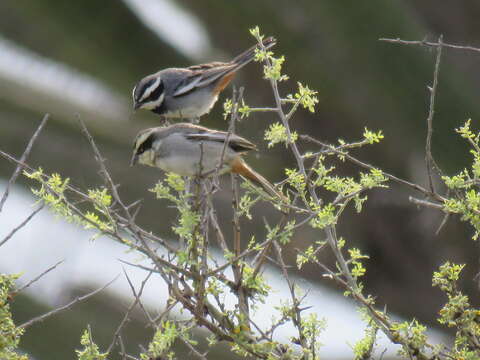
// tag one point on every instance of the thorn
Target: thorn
(305, 308)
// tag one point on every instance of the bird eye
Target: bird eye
(146, 88)
(147, 144)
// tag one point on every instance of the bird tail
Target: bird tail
(227, 73)
(248, 55)
(240, 167)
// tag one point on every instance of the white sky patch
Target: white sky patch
(31, 70)
(173, 24)
(46, 240)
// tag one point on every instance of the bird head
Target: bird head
(144, 148)
(149, 93)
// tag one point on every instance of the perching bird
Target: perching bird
(192, 150)
(189, 92)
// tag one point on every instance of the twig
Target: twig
(24, 157)
(218, 231)
(101, 161)
(297, 319)
(122, 348)
(429, 43)
(265, 109)
(38, 277)
(130, 357)
(192, 349)
(332, 240)
(145, 248)
(248, 252)
(291, 144)
(116, 335)
(371, 167)
(442, 223)
(425, 203)
(162, 262)
(21, 225)
(430, 162)
(236, 266)
(167, 310)
(64, 307)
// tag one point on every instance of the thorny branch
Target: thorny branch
(22, 160)
(430, 44)
(354, 160)
(199, 282)
(430, 162)
(126, 318)
(65, 307)
(21, 225)
(34, 280)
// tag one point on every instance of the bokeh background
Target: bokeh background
(83, 58)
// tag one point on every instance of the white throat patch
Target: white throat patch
(154, 104)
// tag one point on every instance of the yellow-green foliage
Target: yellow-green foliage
(9, 333)
(162, 341)
(277, 133)
(457, 313)
(90, 350)
(53, 192)
(465, 198)
(305, 96)
(173, 189)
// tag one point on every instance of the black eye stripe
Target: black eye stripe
(155, 93)
(140, 88)
(147, 144)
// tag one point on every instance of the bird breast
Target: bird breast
(194, 104)
(191, 157)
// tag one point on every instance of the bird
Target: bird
(189, 93)
(192, 150)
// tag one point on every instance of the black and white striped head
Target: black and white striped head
(148, 93)
(144, 147)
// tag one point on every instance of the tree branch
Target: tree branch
(23, 158)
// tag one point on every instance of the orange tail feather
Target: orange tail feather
(240, 167)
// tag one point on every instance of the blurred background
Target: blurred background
(84, 57)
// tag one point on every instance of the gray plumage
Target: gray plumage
(193, 150)
(189, 92)
(188, 149)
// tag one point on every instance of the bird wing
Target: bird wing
(203, 75)
(237, 143)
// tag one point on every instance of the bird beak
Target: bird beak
(134, 160)
(136, 106)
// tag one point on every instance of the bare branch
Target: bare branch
(430, 162)
(21, 225)
(38, 277)
(24, 157)
(194, 351)
(371, 167)
(65, 307)
(116, 335)
(425, 203)
(429, 43)
(101, 161)
(162, 262)
(297, 319)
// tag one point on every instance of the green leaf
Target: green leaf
(277, 133)
(90, 350)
